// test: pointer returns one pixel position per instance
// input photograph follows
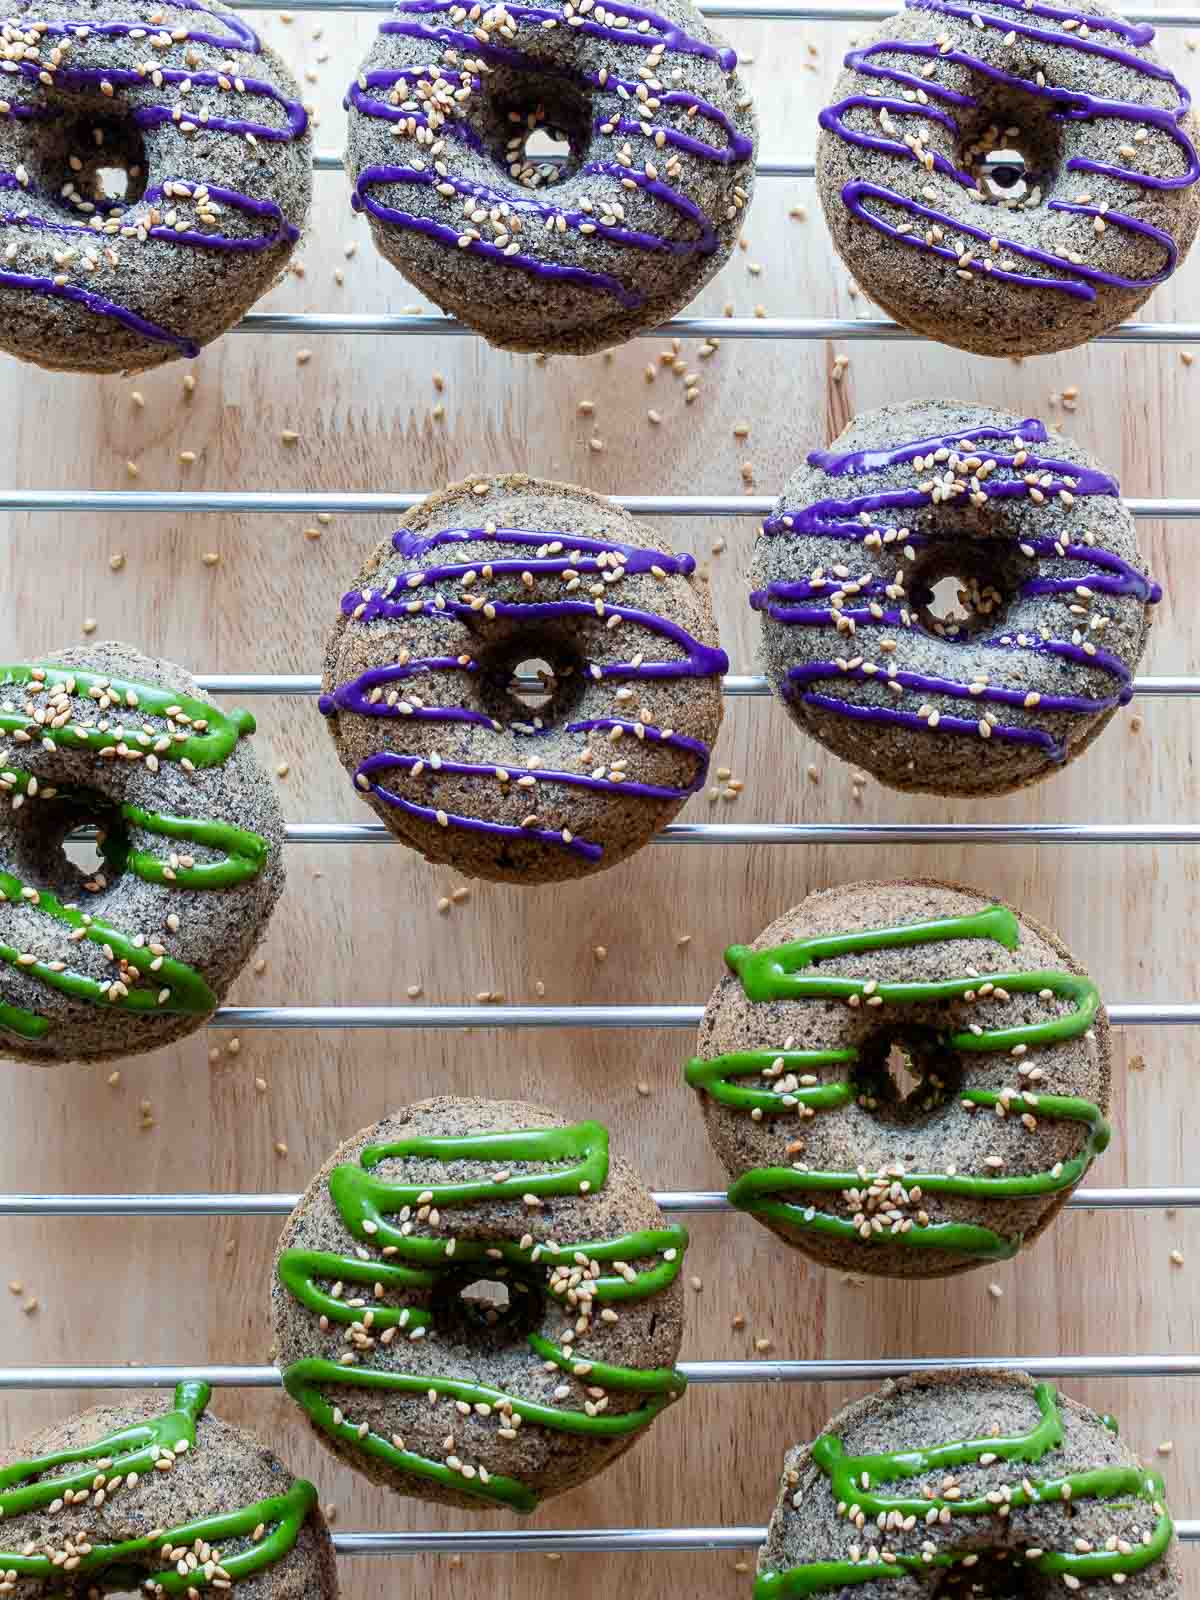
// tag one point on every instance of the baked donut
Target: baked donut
(1011, 178)
(491, 575)
(173, 1502)
(125, 957)
(474, 1305)
(967, 1482)
(205, 124)
(533, 254)
(929, 1077)
(1053, 599)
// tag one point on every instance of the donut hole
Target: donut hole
(531, 678)
(1013, 150)
(75, 845)
(487, 1310)
(533, 683)
(994, 1574)
(965, 587)
(548, 149)
(88, 164)
(540, 126)
(905, 1076)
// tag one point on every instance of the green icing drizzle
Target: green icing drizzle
(211, 747)
(245, 852)
(778, 973)
(24, 1488)
(184, 989)
(178, 988)
(853, 1481)
(365, 1203)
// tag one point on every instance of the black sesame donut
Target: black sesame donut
(810, 1047)
(1053, 600)
(160, 1498)
(101, 963)
(1012, 178)
(968, 1483)
(497, 573)
(644, 209)
(206, 124)
(475, 1305)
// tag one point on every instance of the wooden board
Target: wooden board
(360, 923)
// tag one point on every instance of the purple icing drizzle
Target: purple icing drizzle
(579, 553)
(739, 146)
(661, 30)
(831, 518)
(1071, 105)
(240, 37)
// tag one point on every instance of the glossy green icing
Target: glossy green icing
(210, 747)
(578, 1158)
(756, 1190)
(779, 973)
(714, 1075)
(25, 1488)
(244, 853)
(855, 1480)
(185, 990)
(305, 1381)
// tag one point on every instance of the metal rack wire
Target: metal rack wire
(241, 1018)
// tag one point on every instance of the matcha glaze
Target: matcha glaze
(139, 949)
(390, 1348)
(1004, 1047)
(987, 1480)
(167, 1498)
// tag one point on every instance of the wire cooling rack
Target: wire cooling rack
(600, 1540)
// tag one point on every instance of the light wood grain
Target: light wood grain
(361, 924)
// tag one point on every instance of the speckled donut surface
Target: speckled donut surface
(905, 1079)
(490, 575)
(390, 1316)
(984, 256)
(533, 255)
(113, 1517)
(207, 123)
(979, 1482)
(124, 957)
(1053, 598)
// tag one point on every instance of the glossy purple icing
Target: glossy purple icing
(558, 553)
(519, 201)
(240, 37)
(676, 40)
(1071, 105)
(851, 519)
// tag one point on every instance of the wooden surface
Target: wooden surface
(361, 924)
